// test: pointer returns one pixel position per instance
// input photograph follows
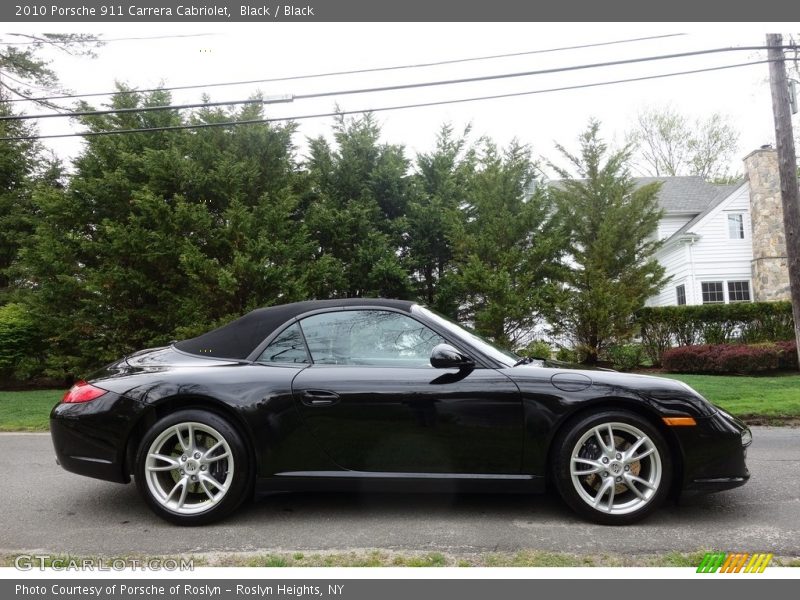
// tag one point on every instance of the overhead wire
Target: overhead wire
(362, 71)
(384, 108)
(399, 87)
(103, 40)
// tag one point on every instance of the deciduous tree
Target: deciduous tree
(668, 143)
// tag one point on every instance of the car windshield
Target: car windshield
(505, 357)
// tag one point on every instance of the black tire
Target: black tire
(217, 457)
(628, 497)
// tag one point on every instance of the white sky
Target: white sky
(262, 50)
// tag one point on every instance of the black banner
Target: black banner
(119, 11)
(607, 588)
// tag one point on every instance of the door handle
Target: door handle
(319, 398)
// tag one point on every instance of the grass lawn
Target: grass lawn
(769, 397)
(27, 411)
(390, 558)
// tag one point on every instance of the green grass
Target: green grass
(389, 558)
(768, 397)
(27, 411)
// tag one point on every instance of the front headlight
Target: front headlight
(747, 437)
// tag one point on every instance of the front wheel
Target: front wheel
(612, 467)
(192, 467)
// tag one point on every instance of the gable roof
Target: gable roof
(686, 194)
(724, 192)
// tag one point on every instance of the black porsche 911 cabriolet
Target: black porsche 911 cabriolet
(371, 394)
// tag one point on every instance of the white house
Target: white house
(723, 243)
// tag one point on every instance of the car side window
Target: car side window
(288, 347)
(369, 337)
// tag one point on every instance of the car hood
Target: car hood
(662, 390)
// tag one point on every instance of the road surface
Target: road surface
(46, 509)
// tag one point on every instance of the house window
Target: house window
(736, 227)
(712, 292)
(680, 294)
(738, 291)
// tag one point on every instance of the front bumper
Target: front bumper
(90, 437)
(714, 457)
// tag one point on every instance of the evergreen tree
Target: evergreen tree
(508, 247)
(355, 211)
(612, 232)
(23, 67)
(435, 217)
(19, 163)
(161, 235)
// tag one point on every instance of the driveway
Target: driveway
(46, 509)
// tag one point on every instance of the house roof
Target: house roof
(687, 194)
(723, 193)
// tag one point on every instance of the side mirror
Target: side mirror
(444, 356)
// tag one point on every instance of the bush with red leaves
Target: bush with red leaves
(731, 358)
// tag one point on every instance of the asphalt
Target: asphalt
(45, 509)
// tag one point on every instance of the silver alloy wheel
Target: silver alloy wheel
(189, 468)
(615, 468)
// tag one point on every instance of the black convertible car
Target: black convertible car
(385, 394)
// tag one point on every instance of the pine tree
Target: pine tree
(435, 218)
(355, 212)
(507, 248)
(161, 235)
(612, 226)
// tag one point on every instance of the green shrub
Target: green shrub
(537, 349)
(662, 327)
(20, 343)
(656, 339)
(567, 355)
(626, 357)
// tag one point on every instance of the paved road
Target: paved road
(44, 508)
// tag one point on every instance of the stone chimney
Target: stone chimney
(769, 266)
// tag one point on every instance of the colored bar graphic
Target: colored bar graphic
(736, 562)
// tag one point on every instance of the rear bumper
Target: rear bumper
(90, 438)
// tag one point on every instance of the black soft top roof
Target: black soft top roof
(239, 338)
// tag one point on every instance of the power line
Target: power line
(395, 87)
(361, 71)
(88, 113)
(104, 40)
(381, 109)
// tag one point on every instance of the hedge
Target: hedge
(20, 343)
(664, 327)
(731, 358)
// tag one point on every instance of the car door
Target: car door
(374, 402)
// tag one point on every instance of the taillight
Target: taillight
(82, 392)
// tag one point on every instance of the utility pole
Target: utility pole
(787, 166)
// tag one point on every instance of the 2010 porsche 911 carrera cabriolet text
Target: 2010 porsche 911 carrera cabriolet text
(388, 395)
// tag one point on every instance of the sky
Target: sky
(222, 52)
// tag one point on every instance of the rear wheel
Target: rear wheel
(612, 467)
(192, 467)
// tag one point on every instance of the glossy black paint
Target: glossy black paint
(414, 420)
(488, 426)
